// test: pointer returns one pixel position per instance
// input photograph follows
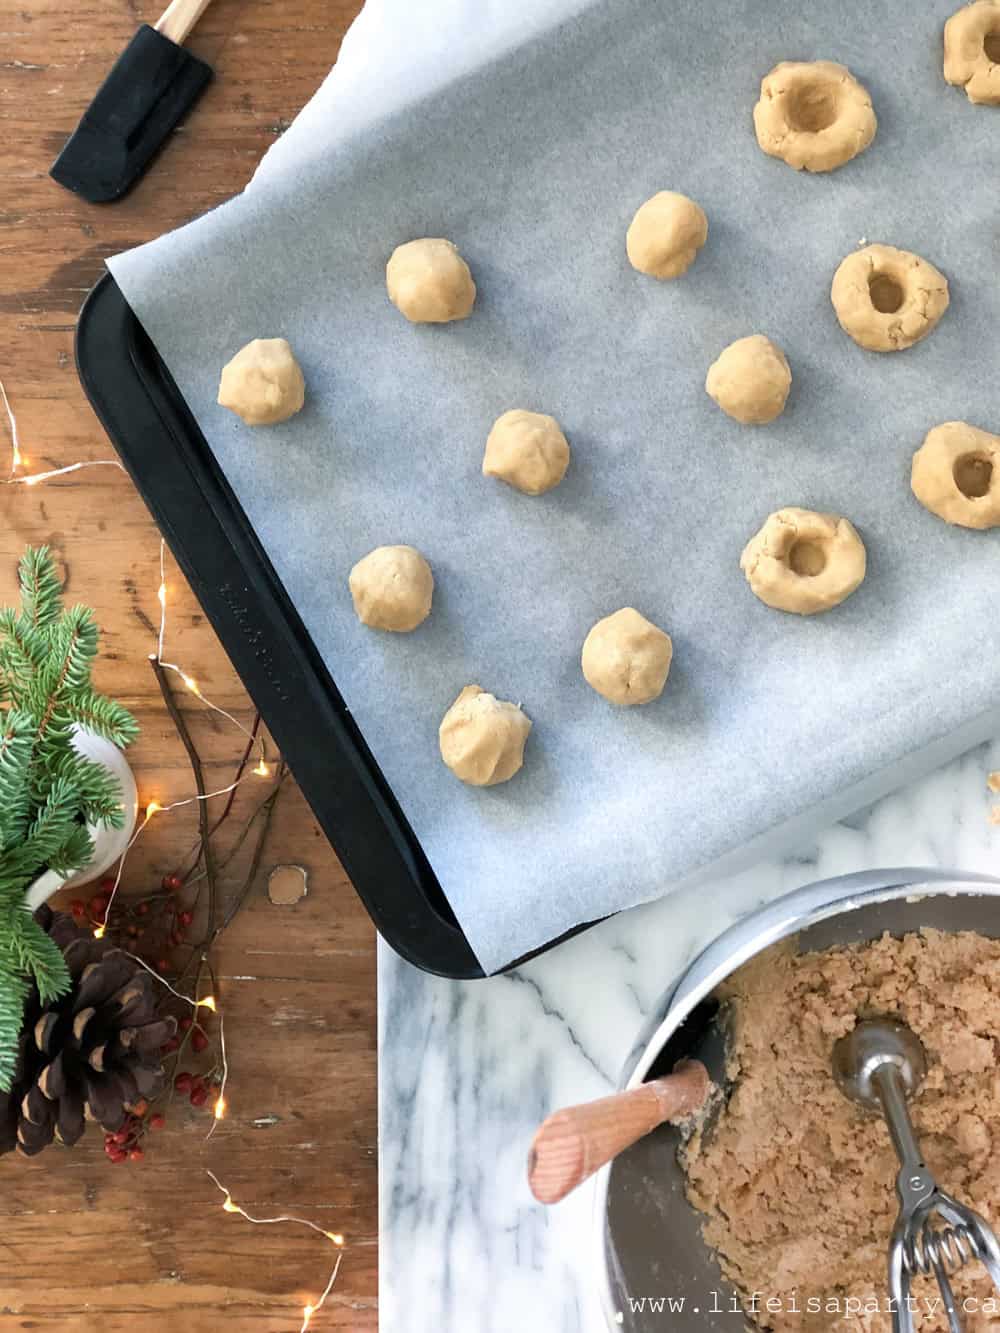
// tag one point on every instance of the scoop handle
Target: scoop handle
(179, 18)
(574, 1143)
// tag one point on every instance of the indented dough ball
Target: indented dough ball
(814, 115)
(804, 562)
(972, 51)
(666, 234)
(750, 380)
(527, 450)
(482, 738)
(627, 658)
(888, 299)
(392, 588)
(263, 383)
(956, 475)
(429, 281)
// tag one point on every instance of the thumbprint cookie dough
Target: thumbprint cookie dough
(972, 51)
(528, 451)
(814, 115)
(956, 475)
(626, 658)
(750, 380)
(429, 282)
(482, 738)
(804, 562)
(263, 383)
(888, 299)
(392, 588)
(666, 234)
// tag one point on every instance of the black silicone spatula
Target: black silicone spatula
(152, 85)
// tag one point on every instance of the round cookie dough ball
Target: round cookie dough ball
(527, 450)
(263, 383)
(888, 299)
(956, 475)
(972, 51)
(666, 234)
(814, 115)
(804, 562)
(482, 738)
(429, 281)
(392, 588)
(627, 658)
(750, 380)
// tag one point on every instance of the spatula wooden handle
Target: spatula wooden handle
(572, 1144)
(179, 18)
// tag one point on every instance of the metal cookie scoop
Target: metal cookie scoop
(880, 1064)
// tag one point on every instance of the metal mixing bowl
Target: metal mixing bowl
(648, 1236)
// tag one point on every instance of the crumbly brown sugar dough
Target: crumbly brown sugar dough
(796, 1181)
(814, 115)
(263, 383)
(392, 588)
(804, 562)
(666, 234)
(888, 299)
(429, 282)
(482, 738)
(956, 475)
(527, 450)
(972, 51)
(750, 380)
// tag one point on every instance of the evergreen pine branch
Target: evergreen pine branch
(74, 853)
(37, 954)
(22, 651)
(53, 825)
(41, 591)
(16, 739)
(106, 717)
(99, 792)
(14, 991)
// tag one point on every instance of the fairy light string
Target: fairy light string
(153, 808)
(334, 1237)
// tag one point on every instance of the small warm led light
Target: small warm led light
(336, 1237)
(161, 594)
(33, 481)
(228, 1206)
(99, 932)
(191, 683)
(263, 770)
(220, 1108)
(307, 1313)
(153, 808)
(207, 1003)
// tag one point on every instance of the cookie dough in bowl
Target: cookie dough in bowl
(750, 380)
(666, 234)
(956, 475)
(814, 115)
(972, 51)
(804, 562)
(888, 299)
(429, 282)
(626, 658)
(482, 738)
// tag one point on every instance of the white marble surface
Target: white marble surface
(467, 1070)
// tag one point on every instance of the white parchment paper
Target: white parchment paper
(533, 165)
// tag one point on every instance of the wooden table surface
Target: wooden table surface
(85, 1244)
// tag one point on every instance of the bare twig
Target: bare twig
(195, 759)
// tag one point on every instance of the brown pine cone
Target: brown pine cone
(90, 1055)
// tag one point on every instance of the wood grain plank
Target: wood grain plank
(84, 1244)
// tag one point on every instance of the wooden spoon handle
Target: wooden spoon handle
(572, 1144)
(179, 18)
